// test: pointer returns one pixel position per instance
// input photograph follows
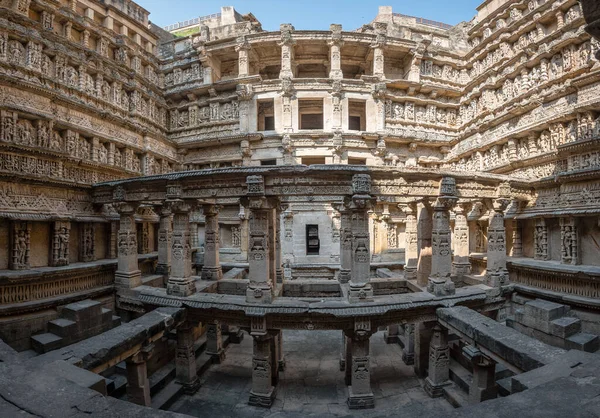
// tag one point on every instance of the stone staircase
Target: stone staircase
(78, 321)
(554, 324)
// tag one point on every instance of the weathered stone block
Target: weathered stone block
(42, 343)
(584, 341)
(565, 327)
(62, 327)
(545, 310)
(79, 311)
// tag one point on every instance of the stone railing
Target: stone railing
(45, 283)
(583, 281)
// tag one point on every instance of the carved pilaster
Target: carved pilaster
(569, 239)
(214, 342)
(460, 263)
(185, 360)
(542, 251)
(263, 392)
(165, 237)
(20, 245)
(287, 51)
(211, 269)
(517, 239)
(439, 363)
(440, 283)
(243, 48)
(87, 242)
(360, 394)
(128, 275)
(411, 244)
(180, 281)
(496, 273)
(408, 352)
(335, 59)
(60, 243)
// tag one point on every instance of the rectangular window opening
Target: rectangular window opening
(313, 244)
(357, 111)
(311, 113)
(266, 115)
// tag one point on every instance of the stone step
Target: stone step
(504, 386)
(167, 396)
(502, 372)
(460, 376)
(565, 327)
(82, 310)
(544, 310)
(62, 327)
(584, 342)
(42, 343)
(116, 321)
(455, 395)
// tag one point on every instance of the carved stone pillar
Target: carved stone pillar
(517, 238)
(569, 239)
(214, 342)
(242, 49)
(483, 386)
(440, 283)
(335, 58)
(424, 226)
(423, 333)
(60, 244)
(360, 394)
(287, 51)
(165, 237)
(180, 281)
(542, 251)
(411, 248)
(408, 352)
(359, 205)
(128, 274)
(20, 245)
(260, 286)
(87, 242)
(185, 360)
(280, 354)
(211, 270)
(496, 273)
(378, 50)
(345, 245)
(263, 392)
(439, 363)
(461, 263)
(278, 257)
(138, 385)
(113, 249)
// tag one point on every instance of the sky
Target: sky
(311, 14)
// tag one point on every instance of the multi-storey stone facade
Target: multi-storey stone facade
(445, 159)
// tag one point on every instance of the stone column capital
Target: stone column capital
(126, 208)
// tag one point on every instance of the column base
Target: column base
(264, 400)
(391, 339)
(360, 294)
(440, 287)
(217, 357)
(410, 273)
(461, 269)
(496, 279)
(128, 279)
(408, 358)
(433, 390)
(191, 388)
(256, 294)
(163, 269)
(180, 286)
(344, 276)
(212, 273)
(363, 401)
(236, 335)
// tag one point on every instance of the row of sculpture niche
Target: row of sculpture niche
(41, 134)
(21, 244)
(586, 126)
(195, 115)
(58, 69)
(515, 14)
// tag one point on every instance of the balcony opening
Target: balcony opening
(266, 115)
(357, 115)
(311, 114)
(268, 162)
(357, 161)
(313, 160)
